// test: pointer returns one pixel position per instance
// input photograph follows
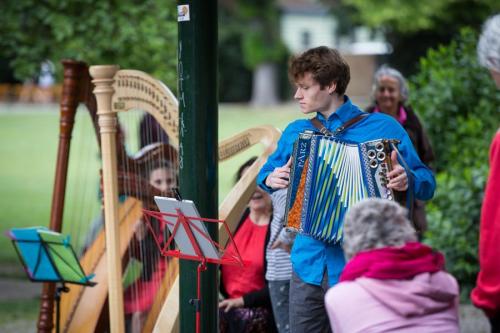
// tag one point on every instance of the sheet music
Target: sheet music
(188, 208)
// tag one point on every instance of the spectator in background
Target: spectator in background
(390, 93)
(44, 92)
(247, 307)
(486, 294)
(391, 282)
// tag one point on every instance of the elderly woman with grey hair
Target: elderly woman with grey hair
(488, 48)
(486, 294)
(391, 283)
(390, 94)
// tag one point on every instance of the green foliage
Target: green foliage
(412, 27)
(411, 16)
(248, 37)
(257, 22)
(403, 15)
(133, 34)
(458, 103)
(232, 89)
(453, 217)
(258, 50)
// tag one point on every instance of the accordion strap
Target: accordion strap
(323, 130)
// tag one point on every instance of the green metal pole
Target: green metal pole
(197, 72)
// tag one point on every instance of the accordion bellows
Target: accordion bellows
(328, 176)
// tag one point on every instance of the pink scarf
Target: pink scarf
(394, 262)
(402, 115)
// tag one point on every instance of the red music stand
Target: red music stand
(199, 240)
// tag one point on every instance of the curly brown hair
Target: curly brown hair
(325, 64)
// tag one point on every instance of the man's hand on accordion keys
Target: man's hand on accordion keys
(280, 177)
(398, 179)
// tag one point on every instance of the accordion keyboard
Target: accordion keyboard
(328, 177)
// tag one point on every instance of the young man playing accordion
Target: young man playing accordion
(321, 76)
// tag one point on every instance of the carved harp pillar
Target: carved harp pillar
(103, 80)
(75, 91)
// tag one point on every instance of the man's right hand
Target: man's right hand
(280, 177)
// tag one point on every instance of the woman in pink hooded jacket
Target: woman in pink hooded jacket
(391, 283)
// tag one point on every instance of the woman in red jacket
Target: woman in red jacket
(486, 295)
(247, 304)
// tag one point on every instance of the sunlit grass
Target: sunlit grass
(28, 148)
(13, 310)
(234, 119)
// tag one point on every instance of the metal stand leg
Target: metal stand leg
(197, 301)
(57, 298)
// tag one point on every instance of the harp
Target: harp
(84, 309)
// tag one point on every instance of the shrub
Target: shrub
(458, 104)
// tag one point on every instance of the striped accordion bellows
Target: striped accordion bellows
(328, 176)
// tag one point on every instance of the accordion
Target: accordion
(328, 176)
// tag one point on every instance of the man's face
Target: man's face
(311, 97)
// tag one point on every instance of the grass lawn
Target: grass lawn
(25, 310)
(28, 147)
(29, 136)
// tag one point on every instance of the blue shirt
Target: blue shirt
(310, 257)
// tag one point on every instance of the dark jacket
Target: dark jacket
(422, 145)
(259, 297)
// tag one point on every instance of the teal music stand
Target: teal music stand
(48, 256)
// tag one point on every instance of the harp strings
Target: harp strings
(82, 185)
(136, 91)
(148, 166)
(82, 217)
(133, 253)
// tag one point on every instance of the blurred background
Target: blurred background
(432, 42)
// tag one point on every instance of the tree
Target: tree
(408, 17)
(257, 22)
(133, 34)
(414, 26)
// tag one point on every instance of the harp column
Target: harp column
(197, 75)
(73, 71)
(103, 80)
